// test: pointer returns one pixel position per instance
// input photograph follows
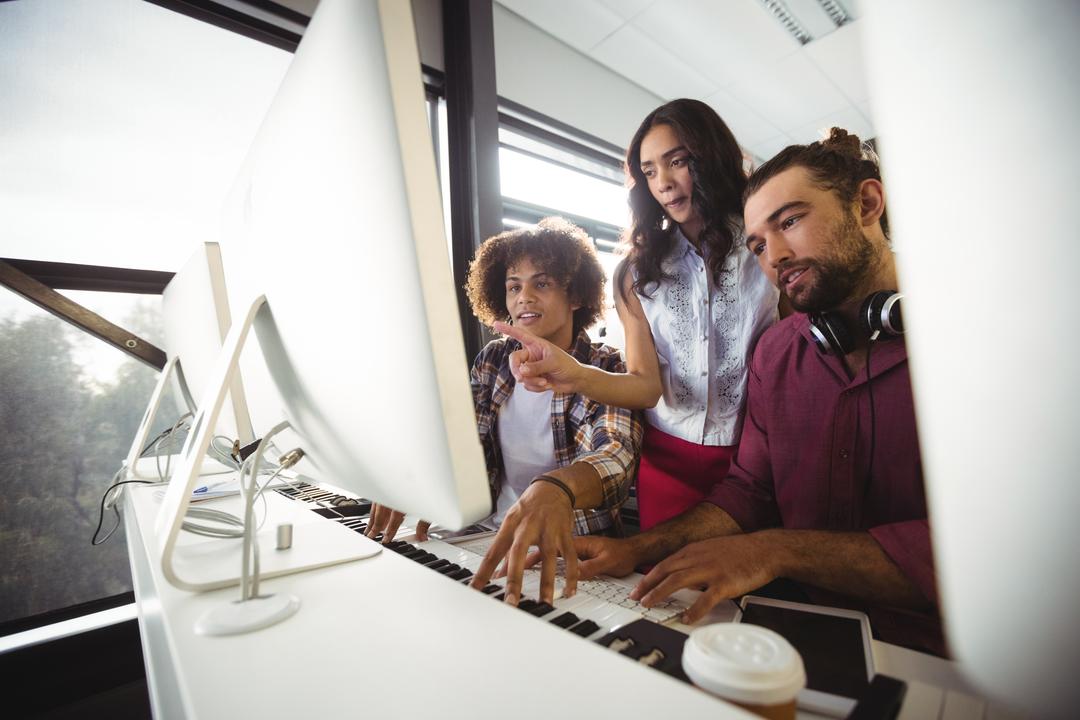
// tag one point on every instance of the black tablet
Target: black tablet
(834, 645)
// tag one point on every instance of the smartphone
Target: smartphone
(834, 645)
(459, 536)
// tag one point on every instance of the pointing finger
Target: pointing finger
(522, 336)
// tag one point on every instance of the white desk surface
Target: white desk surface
(384, 638)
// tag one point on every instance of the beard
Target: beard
(838, 274)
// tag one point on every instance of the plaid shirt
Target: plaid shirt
(606, 437)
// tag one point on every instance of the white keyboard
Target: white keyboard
(612, 590)
(599, 606)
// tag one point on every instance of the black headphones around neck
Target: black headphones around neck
(879, 315)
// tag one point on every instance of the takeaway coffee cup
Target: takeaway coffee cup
(748, 665)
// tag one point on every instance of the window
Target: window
(69, 407)
(124, 126)
(543, 173)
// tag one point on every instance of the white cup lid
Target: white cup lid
(745, 663)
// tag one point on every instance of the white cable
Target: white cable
(224, 455)
(248, 494)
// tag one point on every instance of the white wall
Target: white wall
(538, 71)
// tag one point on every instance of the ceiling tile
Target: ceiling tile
(766, 149)
(749, 127)
(626, 9)
(635, 55)
(718, 39)
(839, 56)
(790, 93)
(578, 23)
(850, 118)
(867, 109)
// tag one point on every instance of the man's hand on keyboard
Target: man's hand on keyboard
(605, 556)
(542, 516)
(726, 567)
(386, 520)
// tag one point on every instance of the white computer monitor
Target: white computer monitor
(196, 319)
(340, 230)
(978, 108)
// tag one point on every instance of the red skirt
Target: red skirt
(676, 474)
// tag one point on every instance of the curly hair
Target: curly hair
(716, 168)
(838, 163)
(561, 248)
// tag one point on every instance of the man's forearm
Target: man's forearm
(701, 522)
(852, 564)
(584, 481)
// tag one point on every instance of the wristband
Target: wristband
(560, 484)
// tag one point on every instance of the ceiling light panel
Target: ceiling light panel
(813, 16)
(836, 12)
(779, 10)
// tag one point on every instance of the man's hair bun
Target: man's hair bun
(839, 163)
(841, 141)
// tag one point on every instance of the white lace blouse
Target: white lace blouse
(703, 333)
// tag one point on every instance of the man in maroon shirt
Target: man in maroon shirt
(826, 489)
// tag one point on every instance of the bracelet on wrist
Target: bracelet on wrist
(559, 484)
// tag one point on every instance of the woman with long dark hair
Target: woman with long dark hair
(692, 302)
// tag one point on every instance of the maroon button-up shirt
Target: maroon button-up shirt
(804, 458)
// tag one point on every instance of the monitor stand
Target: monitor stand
(202, 564)
(140, 468)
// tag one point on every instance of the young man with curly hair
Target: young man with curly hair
(558, 463)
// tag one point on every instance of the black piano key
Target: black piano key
(425, 558)
(541, 609)
(460, 574)
(585, 628)
(451, 568)
(526, 604)
(500, 596)
(399, 546)
(440, 563)
(566, 620)
(415, 553)
(488, 589)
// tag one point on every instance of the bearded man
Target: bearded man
(825, 495)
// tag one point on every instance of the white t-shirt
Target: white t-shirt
(526, 444)
(703, 332)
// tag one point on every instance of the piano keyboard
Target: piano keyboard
(613, 590)
(600, 605)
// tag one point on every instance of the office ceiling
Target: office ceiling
(733, 54)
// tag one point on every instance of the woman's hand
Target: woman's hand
(541, 365)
